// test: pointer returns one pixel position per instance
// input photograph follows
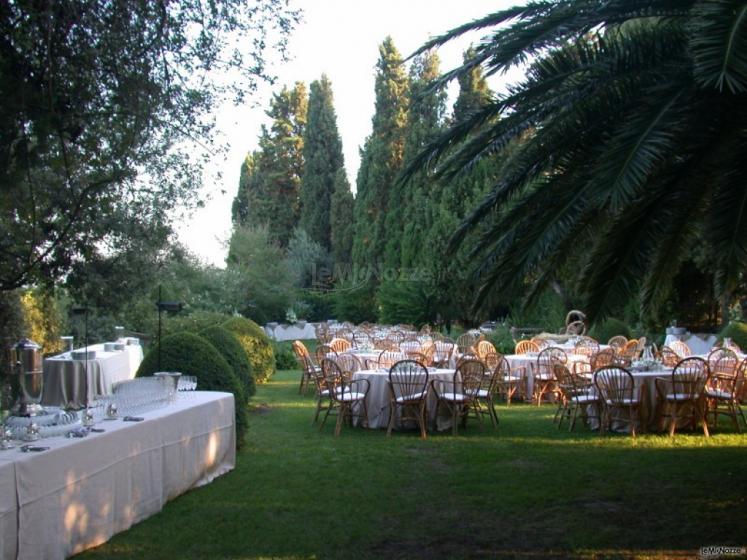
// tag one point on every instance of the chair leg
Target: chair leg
(340, 419)
(390, 423)
(454, 427)
(421, 418)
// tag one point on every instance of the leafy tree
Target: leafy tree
(266, 282)
(322, 154)
(631, 121)
(341, 219)
(381, 158)
(271, 177)
(409, 205)
(307, 259)
(102, 104)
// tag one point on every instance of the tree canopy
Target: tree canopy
(626, 145)
(103, 104)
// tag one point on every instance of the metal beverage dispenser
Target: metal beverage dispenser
(27, 378)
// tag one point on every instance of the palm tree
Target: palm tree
(628, 142)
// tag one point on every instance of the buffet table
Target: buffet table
(81, 492)
(76, 383)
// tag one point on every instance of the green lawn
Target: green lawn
(524, 490)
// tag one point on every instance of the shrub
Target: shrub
(737, 331)
(355, 303)
(608, 328)
(256, 344)
(502, 339)
(407, 302)
(43, 319)
(191, 354)
(193, 322)
(229, 347)
(284, 357)
(320, 305)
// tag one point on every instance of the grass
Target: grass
(524, 490)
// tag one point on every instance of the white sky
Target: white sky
(339, 38)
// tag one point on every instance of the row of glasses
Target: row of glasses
(187, 383)
(143, 394)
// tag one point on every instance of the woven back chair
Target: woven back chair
(509, 381)
(544, 377)
(617, 394)
(418, 357)
(388, 358)
(618, 341)
(540, 342)
(724, 388)
(681, 395)
(348, 364)
(408, 390)
(340, 344)
(602, 358)
(668, 357)
(346, 334)
(443, 351)
(324, 351)
(429, 351)
(362, 339)
(680, 348)
(460, 394)
(410, 345)
(483, 348)
(345, 395)
(306, 363)
(576, 397)
(628, 353)
(466, 341)
(525, 347)
(586, 346)
(323, 335)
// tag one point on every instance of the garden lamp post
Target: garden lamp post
(169, 306)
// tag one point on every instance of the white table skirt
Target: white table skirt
(75, 382)
(81, 492)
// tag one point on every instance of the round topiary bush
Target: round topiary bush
(608, 328)
(737, 331)
(257, 346)
(193, 355)
(231, 350)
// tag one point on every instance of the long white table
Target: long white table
(81, 492)
(77, 382)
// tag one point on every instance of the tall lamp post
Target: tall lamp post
(169, 306)
(83, 310)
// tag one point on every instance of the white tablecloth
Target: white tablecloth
(698, 343)
(377, 401)
(75, 382)
(81, 492)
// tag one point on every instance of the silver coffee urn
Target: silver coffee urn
(26, 378)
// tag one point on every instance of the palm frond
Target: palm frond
(718, 39)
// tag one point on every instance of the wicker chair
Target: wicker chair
(348, 364)
(680, 348)
(344, 395)
(324, 351)
(628, 353)
(444, 349)
(340, 344)
(483, 347)
(466, 341)
(525, 347)
(543, 375)
(408, 390)
(508, 381)
(618, 341)
(410, 345)
(575, 396)
(616, 390)
(668, 357)
(308, 367)
(459, 394)
(388, 358)
(723, 388)
(681, 395)
(586, 346)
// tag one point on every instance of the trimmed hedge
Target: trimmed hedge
(608, 328)
(256, 344)
(194, 322)
(193, 355)
(229, 347)
(737, 331)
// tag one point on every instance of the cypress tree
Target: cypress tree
(271, 177)
(381, 158)
(412, 201)
(322, 153)
(341, 219)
